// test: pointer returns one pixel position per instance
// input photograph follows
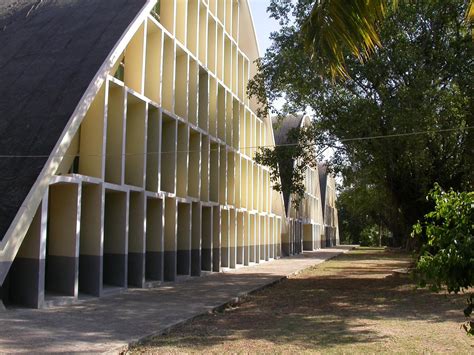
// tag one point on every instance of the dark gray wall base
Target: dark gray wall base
(90, 274)
(232, 257)
(285, 249)
(136, 269)
(183, 262)
(115, 269)
(61, 274)
(196, 262)
(170, 265)
(206, 259)
(225, 256)
(307, 245)
(154, 265)
(216, 259)
(26, 282)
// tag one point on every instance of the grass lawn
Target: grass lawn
(351, 304)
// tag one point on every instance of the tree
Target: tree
(447, 257)
(402, 120)
(334, 26)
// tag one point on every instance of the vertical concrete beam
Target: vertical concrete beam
(225, 231)
(216, 239)
(246, 238)
(232, 238)
(257, 238)
(154, 261)
(240, 238)
(170, 241)
(196, 239)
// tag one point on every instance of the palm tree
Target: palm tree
(336, 25)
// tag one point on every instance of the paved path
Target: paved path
(109, 324)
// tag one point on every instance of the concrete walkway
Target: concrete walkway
(109, 324)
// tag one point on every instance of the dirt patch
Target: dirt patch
(352, 303)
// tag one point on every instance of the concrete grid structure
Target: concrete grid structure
(314, 224)
(140, 165)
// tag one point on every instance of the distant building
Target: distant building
(314, 224)
(328, 198)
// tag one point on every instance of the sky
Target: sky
(264, 25)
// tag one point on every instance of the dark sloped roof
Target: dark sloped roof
(50, 52)
(281, 128)
(323, 180)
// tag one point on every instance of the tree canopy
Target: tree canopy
(403, 118)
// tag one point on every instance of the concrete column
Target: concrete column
(246, 237)
(240, 238)
(170, 239)
(216, 238)
(207, 239)
(232, 238)
(196, 239)
(225, 226)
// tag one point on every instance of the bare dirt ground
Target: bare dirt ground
(351, 304)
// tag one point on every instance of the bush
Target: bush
(447, 257)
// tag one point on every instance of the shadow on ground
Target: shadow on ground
(337, 303)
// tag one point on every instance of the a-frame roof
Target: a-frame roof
(281, 128)
(50, 53)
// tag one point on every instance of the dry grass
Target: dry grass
(351, 304)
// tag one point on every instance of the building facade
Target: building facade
(313, 224)
(127, 143)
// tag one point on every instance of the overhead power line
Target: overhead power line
(395, 135)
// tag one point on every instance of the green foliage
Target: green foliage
(288, 163)
(363, 206)
(335, 26)
(421, 80)
(447, 258)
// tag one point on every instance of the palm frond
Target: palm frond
(335, 25)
